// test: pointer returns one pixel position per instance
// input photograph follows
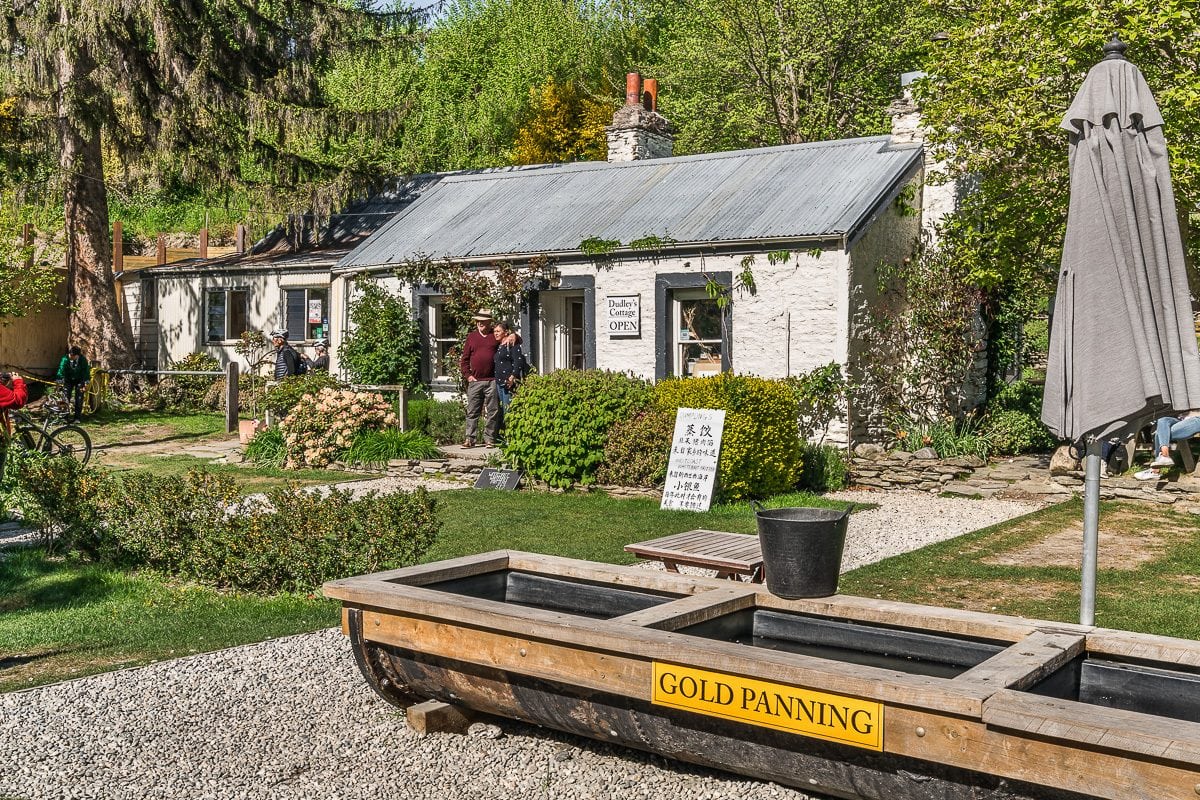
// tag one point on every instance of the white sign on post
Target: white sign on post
(623, 315)
(695, 448)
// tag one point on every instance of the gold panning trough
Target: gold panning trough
(845, 696)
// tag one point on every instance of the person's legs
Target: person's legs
(75, 397)
(1162, 434)
(1185, 428)
(505, 397)
(475, 397)
(492, 409)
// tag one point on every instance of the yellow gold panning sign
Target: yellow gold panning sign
(772, 705)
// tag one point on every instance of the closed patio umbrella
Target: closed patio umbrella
(1122, 344)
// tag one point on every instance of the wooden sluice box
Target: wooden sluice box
(844, 696)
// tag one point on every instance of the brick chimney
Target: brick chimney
(638, 131)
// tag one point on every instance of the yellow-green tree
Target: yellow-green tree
(564, 124)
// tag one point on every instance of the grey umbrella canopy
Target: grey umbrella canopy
(1122, 340)
(1122, 343)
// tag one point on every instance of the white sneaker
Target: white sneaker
(1147, 475)
(1162, 461)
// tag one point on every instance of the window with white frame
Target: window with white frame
(225, 313)
(306, 313)
(697, 334)
(443, 341)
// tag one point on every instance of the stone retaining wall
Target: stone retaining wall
(872, 466)
(412, 468)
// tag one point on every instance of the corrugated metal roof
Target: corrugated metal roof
(795, 192)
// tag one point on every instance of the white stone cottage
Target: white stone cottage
(837, 209)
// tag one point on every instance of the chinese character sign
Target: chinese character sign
(692, 470)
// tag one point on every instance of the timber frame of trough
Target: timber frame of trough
(431, 632)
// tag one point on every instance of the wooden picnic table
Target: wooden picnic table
(730, 554)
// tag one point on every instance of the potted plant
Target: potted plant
(255, 348)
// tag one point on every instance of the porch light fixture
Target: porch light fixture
(553, 276)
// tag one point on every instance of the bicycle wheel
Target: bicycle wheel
(27, 437)
(70, 440)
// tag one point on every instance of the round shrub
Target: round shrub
(281, 398)
(558, 424)
(1013, 432)
(322, 426)
(760, 448)
(443, 420)
(638, 450)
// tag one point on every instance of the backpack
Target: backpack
(301, 364)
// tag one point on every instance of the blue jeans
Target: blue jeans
(506, 396)
(1172, 429)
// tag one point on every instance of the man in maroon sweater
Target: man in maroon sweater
(478, 356)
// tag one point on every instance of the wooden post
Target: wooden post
(240, 238)
(161, 257)
(118, 246)
(231, 397)
(402, 408)
(27, 240)
(204, 242)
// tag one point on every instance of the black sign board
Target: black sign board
(491, 478)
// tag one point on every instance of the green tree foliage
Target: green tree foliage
(383, 346)
(996, 94)
(564, 124)
(192, 89)
(484, 57)
(749, 73)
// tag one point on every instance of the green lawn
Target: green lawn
(250, 478)
(129, 427)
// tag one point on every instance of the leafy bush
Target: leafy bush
(383, 345)
(250, 394)
(558, 424)
(197, 527)
(190, 392)
(281, 398)
(380, 447)
(820, 398)
(267, 448)
(1012, 432)
(638, 450)
(1018, 396)
(948, 438)
(322, 426)
(443, 420)
(825, 468)
(760, 449)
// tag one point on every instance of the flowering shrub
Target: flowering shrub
(322, 426)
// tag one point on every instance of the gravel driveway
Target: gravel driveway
(292, 718)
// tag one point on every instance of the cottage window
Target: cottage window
(149, 296)
(306, 313)
(225, 313)
(443, 342)
(698, 334)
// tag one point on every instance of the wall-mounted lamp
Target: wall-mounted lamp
(553, 276)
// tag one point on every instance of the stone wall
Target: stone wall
(871, 466)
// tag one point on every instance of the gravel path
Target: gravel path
(292, 718)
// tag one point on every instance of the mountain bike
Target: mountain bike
(51, 435)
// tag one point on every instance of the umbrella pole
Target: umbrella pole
(1091, 527)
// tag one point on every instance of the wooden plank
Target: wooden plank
(1082, 724)
(611, 573)
(422, 574)
(1089, 770)
(703, 548)
(1026, 662)
(691, 610)
(647, 644)
(1144, 647)
(434, 716)
(909, 615)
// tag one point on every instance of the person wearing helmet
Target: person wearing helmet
(321, 362)
(287, 362)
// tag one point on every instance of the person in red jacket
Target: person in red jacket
(13, 394)
(478, 370)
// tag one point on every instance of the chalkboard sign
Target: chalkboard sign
(491, 478)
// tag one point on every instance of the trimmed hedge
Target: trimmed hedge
(638, 450)
(558, 424)
(198, 527)
(760, 448)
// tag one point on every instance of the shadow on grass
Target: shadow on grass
(32, 581)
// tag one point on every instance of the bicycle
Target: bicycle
(50, 435)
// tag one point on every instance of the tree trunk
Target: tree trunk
(95, 325)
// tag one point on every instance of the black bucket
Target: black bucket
(801, 549)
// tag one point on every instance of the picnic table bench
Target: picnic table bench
(730, 554)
